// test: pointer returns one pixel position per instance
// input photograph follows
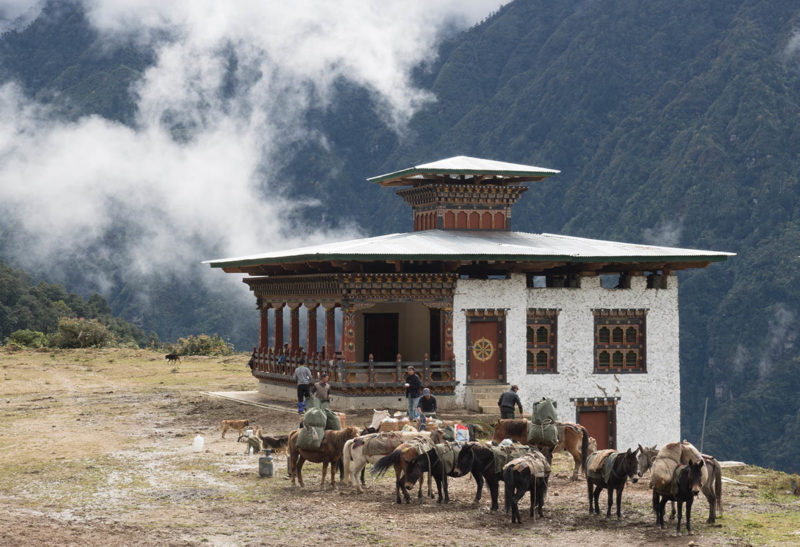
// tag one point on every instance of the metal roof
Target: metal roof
(476, 168)
(476, 245)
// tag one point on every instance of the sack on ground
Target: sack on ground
(310, 437)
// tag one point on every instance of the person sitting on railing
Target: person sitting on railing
(413, 387)
(426, 408)
(322, 391)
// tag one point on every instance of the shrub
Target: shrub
(202, 345)
(81, 333)
(27, 338)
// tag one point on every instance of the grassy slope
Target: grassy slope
(99, 436)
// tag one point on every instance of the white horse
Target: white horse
(370, 449)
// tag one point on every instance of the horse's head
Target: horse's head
(694, 475)
(645, 458)
(463, 464)
(630, 465)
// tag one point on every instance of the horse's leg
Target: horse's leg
(590, 491)
(299, 466)
(446, 487)
(610, 500)
(574, 449)
(324, 471)
(672, 514)
(680, 511)
(689, 515)
(619, 501)
(519, 493)
(479, 480)
(662, 507)
(494, 488)
(597, 491)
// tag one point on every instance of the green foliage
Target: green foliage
(27, 338)
(81, 333)
(202, 344)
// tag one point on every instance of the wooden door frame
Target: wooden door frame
(599, 404)
(484, 316)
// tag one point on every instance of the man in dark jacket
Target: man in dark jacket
(507, 401)
(426, 408)
(413, 388)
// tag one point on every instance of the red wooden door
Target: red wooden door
(484, 350)
(596, 423)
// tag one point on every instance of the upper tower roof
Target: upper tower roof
(464, 169)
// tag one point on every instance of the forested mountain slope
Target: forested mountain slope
(672, 123)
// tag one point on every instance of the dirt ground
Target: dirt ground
(96, 449)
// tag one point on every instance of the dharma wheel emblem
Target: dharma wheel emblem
(482, 349)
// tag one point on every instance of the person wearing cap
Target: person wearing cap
(507, 401)
(413, 388)
(426, 408)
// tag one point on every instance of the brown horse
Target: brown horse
(574, 439)
(401, 458)
(330, 452)
(517, 430)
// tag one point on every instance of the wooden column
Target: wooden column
(330, 331)
(447, 331)
(349, 334)
(278, 336)
(294, 326)
(311, 330)
(263, 328)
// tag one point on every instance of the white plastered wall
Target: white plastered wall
(648, 411)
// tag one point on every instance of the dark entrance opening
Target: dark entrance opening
(436, 335)
(381, 336)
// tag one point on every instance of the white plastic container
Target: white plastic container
(197, 444)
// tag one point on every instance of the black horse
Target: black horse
(478, 459)
(689, 479)
(625, 465)
(429, 462)
(519, 482)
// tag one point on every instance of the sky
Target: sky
(65, 185)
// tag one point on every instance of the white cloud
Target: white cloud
(17, 14)
(66, 184)
(666, 233)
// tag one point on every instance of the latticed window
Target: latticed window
(541, 340)
(619, 341)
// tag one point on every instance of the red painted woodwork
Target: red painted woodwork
(475, 220)
(461, 220)
(499, 221)
(597, 424)
(330, 332)
(449, 220)
(484, 350)
(311, 329)
(349, 335)
(486, 220)
(263, 328)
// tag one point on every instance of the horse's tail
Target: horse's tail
(584, 449)
(382, 465)
(347, 457)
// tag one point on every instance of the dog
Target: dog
(172, 357)
(238, 425)
(277, 444)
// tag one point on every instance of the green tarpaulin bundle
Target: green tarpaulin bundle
(543, 430)
(504, 454)
(331, 420)
(310, 437)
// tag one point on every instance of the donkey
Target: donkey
(401, 459)
(689, 479)
(438, 465)
(623, 466)
(369, 448)
(712, 488)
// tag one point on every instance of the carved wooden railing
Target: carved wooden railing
(366, 378)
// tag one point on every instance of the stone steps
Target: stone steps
(485, 396)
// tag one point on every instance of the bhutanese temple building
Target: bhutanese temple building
(475, 307)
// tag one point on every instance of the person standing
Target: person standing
(507, 401)
(302, 375)
(413, 388)
(322, 391)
